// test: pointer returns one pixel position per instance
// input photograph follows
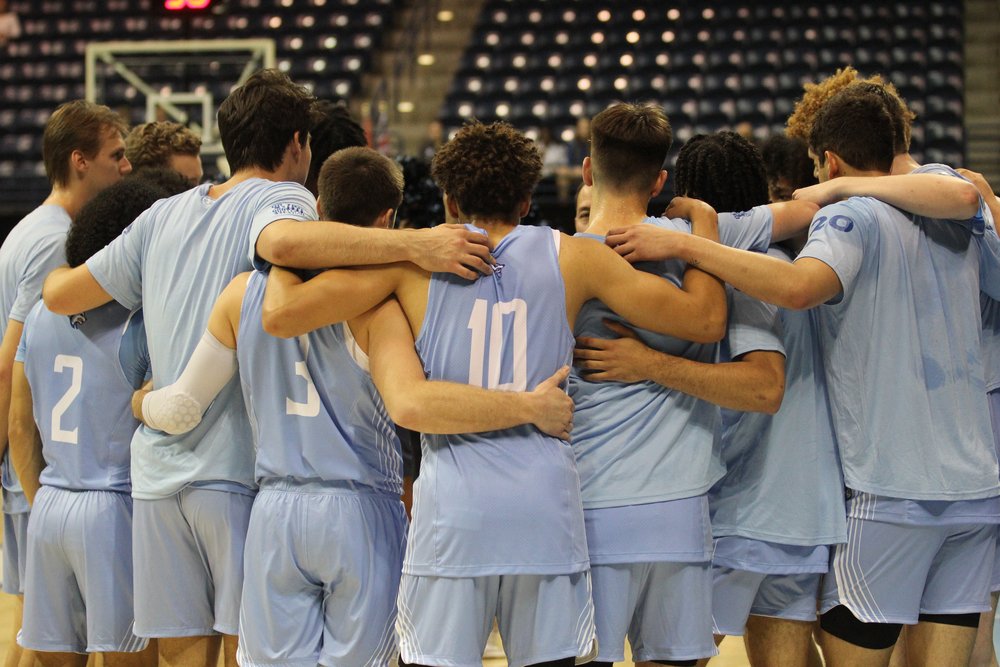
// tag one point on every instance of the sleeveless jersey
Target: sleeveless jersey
(504, 502)
(315, 413)
(641, 442)
(81, 396)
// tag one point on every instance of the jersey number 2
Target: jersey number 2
(478, 323)
(75, 366)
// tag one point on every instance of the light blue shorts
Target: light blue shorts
(446, 621)
(665, 610)
(189, 562)
(892, 573)
(15, 551)
(738, 594)
(78, 583)
(321, 576)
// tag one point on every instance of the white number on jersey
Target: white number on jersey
(480, 357)
(75, 366)
(311, 407)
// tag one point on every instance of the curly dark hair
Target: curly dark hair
(334, 130)
(724, 169)
(151, 145)
(816, 95)
(788, 165)
(164, 178)
(259, 118)
(489, 170)
(855, 125)
(104, 217)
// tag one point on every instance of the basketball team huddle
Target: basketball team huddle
(740, 417)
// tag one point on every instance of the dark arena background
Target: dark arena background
(401, 65)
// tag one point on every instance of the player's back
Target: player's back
(902, 352)
(783, 481)
(641, 442)
(504, 502)
(82, 372)
(314, 409)
(175, 260)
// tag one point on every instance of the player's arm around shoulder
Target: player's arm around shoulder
(69, 291)
(180, 406)
(293, 307)
(594, 271)
(433, 406)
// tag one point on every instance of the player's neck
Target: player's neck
(216, 191)
(610, 211)
(496, 230)
(69, 198)
(903, 164)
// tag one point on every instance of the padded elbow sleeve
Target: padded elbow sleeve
(178, 408)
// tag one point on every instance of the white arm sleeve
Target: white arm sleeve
(178, 408)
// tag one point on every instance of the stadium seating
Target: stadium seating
(712, 65)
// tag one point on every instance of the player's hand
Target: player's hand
(453, 249)
(137, 397)
(821, 193)
(622, 359)
(644, 243)
(985, 191)
(686, 207)
(553, 408)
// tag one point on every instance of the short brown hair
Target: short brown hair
(629, 144)
(259, 118)
(800, 123)
(358, 184)
(75, 126)
(489, 170)
(151, 145)
(855, 125)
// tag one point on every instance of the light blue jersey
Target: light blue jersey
(82, 371)
(174, 260)
(991, 341)
(314, 409)
(783, 481)
(642, 442)
(504, 502)
(902, 349)
(35, 246)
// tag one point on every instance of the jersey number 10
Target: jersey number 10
(478, 324)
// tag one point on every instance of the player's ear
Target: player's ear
(451, 209)
(525, 207)
(78, 162)
(834, 167)
(386, 220)
(588, 171)
(661, 180)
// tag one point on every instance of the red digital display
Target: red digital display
(181, 5)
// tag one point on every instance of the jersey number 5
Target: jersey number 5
(75, 366)
(478, 325)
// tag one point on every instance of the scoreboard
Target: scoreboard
(186, 5)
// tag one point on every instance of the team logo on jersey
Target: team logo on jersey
(288, 209)
(741, 214)
(498, 269)
(78, 320)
